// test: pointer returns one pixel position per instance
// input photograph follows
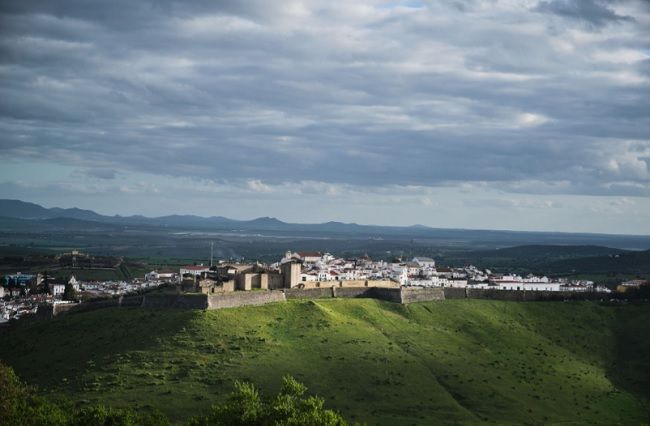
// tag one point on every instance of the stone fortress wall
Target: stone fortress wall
(241, 298)
(404, 295)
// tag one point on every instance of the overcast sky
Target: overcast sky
(499, 114)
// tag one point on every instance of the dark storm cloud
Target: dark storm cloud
(374, 94)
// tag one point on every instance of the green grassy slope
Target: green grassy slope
(458, 361)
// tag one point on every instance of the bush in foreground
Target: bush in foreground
(19, 406)
(245, 406)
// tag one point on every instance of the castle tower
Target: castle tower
(290, 274)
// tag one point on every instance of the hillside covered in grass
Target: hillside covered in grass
(466, 361)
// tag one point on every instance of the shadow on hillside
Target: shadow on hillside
(611, 335)
(630, 368)
(61, 351)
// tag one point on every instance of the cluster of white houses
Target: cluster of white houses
(22, 285)
(15, 286)
(21, 294)
(314, 269)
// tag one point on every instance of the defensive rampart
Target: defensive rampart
(411, 295)
(454, 293)
(388, 294)
(531, 296)
(353, 292)
(248, 298)
(404, 295)
(396, 295)
(309, 293)
(185, 301)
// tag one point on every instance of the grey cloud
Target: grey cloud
(248, 91)
(594, 12)
(100, 173)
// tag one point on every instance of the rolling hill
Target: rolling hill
(632, 262)
(554, 260)
(457, 361)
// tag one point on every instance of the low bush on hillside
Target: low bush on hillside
(19, 406)
(245, 406)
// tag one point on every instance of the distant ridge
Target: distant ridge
(26, 211)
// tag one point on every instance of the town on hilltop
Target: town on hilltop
(22, 293)
(314, 270)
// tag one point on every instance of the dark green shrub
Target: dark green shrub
(245, 406)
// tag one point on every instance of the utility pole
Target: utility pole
(211, 253)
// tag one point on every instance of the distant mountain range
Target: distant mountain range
(30, 211)
(21, 214)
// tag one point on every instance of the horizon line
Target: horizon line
(331, 221)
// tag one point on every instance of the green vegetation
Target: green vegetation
(245, 406)
(19, 405)
(69, 293)
(457, 361)
(555, 260)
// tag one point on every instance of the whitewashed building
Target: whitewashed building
(194, 270)
(74, 283)
(57, 289)
(425, 262)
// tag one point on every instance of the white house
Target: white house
(151, 276)
(347, 274)
(413, 268)
(309, 276)
(401, 275)
(57, 289)
(160, 276)
(575, 287)
(194, 270)
(91, 286)
(445, 272)
(531, 283)
(74, 283)
(432, 282)
(481, 285)
(540, 286)
(425, 262)
(361, 274)
(453, 283)
(167, 276)
(308, 257)
(324, 275)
